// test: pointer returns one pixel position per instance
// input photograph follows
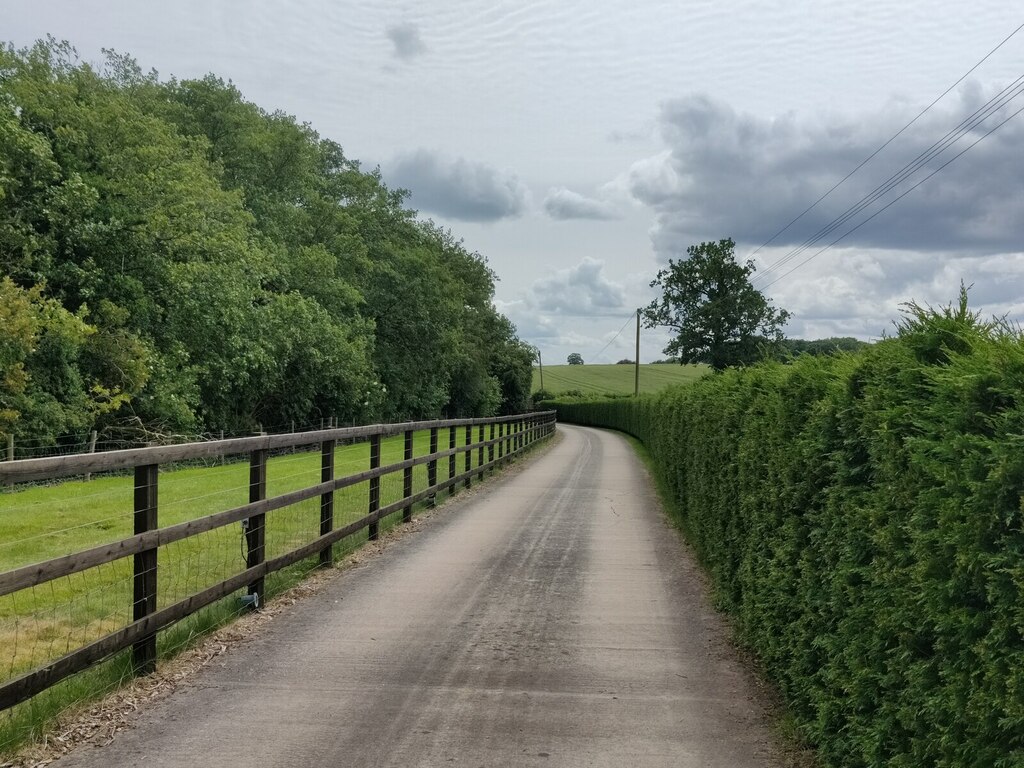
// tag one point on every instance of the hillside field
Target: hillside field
(614, 379)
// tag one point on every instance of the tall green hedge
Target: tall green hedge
(861, 516)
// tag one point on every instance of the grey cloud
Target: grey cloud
(580, 290)
(407, 42)
(731, 174)
(457, 188)
(565, 204)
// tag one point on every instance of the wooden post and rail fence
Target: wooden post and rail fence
(508, 435)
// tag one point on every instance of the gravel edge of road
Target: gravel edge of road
(98, 721)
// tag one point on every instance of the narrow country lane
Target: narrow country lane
(549, 619)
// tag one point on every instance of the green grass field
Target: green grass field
(614, 379)
(48, 521)
(40, 522)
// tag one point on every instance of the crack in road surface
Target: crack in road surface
(551, 619)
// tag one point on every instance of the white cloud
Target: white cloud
(579, 290)
(562, 203)
(858, 292)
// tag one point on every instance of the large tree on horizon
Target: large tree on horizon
(719, 318)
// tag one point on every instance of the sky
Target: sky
(579, 146)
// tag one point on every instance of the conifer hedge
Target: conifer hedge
(861, 517)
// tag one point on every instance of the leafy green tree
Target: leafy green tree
(216, 265)
(718, 316)
(45, 389)
(575, 358)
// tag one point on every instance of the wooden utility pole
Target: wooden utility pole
(540, 365)
(636, 369)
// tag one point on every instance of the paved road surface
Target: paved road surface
(549, 619)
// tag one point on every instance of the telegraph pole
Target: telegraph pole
(540, 364)
(636, 370)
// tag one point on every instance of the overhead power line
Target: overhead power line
(967, 125)
(897, 199)
(887, 142)
(613, 338)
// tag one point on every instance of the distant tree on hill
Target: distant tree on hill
(829, 346)
(626, 361)
(575, 359)
(718, 316)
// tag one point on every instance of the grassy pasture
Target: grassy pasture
(48, 521)
(614, 379)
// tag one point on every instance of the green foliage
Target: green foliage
(614, 379)
(575, 358)
(228, 266)
(830, 346)
(862, 518)
(53, 375)
(718, 316)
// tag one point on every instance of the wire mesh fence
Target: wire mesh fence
(176, 535)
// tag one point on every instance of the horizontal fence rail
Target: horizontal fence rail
(491, 442)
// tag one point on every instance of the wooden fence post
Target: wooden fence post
(490, 449)
(469, 456)
(10, 454)
(480, 453)
(91, 449)
(432, 466)
(451, 459)
(144, 566)
(255, 526)
(327, 500)
(407, 478)
(501, 442)
(374, 486)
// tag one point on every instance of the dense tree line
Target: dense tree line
(817, 347)
(173, 259)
